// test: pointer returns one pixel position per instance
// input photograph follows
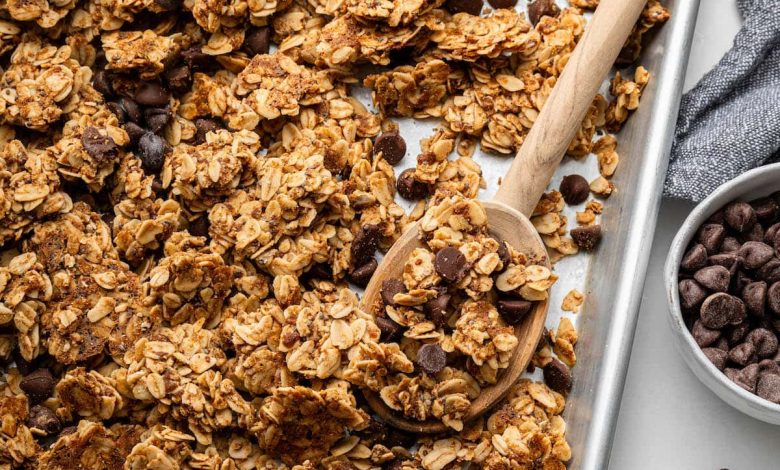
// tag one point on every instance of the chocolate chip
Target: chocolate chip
(730, 244)
(754, 296)
(513, 310)
(715, 278)
(115, 108)
(717, 218)
(691, 293)
(766, 209)
(472, 7)
(360, 276)
(151, 148)
(102, 83)
(740, 216)
(745, 378)
(557, 376)
(773, 297)
(502, 3)
(390, 330)
(695, 258)
(100, 147)
(157, 118)
(436, 309)
(754, 234)
(503, 253)
(735, 334)
(450, 263)
(755, 254)
(196, 59)
(720, 309)
(765, 342)
(586, 237)
(711, 236)
(365, 244)
(392, 146)
(722, 344)
(770, 234)
(409, 187)
(135, 132)
(203, 126)
(716, 356)
(178, 79)
(152, 94)
(38, 385)
(431, 358)
(540, 8)
(732, 261)
(768, 366)
(770, 272)
(704, 336)
(131, 108)
(743, 354)
(390, 287)
(257, 41)
(43, 419)
(768, 387)
(574, 189)
(200, 227)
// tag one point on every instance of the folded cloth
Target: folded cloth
(730, 122)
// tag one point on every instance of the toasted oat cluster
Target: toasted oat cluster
(193, 192)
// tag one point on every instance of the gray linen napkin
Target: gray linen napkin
(730, 122)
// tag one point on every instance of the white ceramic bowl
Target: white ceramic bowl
(748, 186)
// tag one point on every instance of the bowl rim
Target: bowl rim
(685, 233)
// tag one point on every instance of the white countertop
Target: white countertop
(668, 419)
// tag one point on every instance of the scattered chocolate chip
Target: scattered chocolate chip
(102, 83)
(739, 216)
(178, 79)
(365, 244)
(540, 8)
(472, 7)
(704, 336)
(557, 376)
(436, 309)
(716, 356)
(716, 278)
(431, 358)
(135, 132)
(574, 188)
(203, 126)
(743, 354)
(152, 94)
(390, 287)
(200, 227)
(754, 295)
(586, 237)
(691, 293)
(502, 3)
(157, 118)
(151, 148)
(131, 108)
(257, 41)
(390, 330)
(450, 263)
(409, 187)
(720, 309)
(98, 146)
(768, 387)
(755, 254)
(360, 276)
(392, 146)
(38, 385)
(513, 310)
(711, 236)
(695, 258)
(766, 209)
(730, 244)
(43, 419)
(765, 342)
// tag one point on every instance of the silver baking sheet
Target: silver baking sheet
(612, 278)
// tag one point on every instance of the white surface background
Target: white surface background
(668, 419)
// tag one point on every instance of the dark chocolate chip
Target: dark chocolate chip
(410, 187)
(745, 378)
(716, 356)
(502, 3)
(513, 310)
(770, 272)
(704, 336)
(131, 108)
(711, 236)
(436, 309)
(754, 234)
(586, 237)
(754, 295)
(739, 216)
(691, 293)
(721, 309)
(540, 8)
(204, 126)
(472, 7)
(765, 342)
(157, 118)
(152, 94)
(730, 244)
(390, 330)
(503, 253)
(743, 354)
(770, 234)
(722, 344)
(365, 244)
(200, 226)
(574, 188)
(360, 276)
(431, 358)
(102, 83)
(392, 146)
(135, 132)
(257, 41)
(115, 108)
(38, 385)
(390, 287)
(768, 387)
(557, 376)
(755, 254)
(773, 297)
(728, 260)
(735, 334)
(100, 147)
(450, 263)
(766, 209)
(716, 278)
(196, 59)
(151, 148)
(695, 258)
(740, 280)
(178, 79)
(43, 419)
(768, 366)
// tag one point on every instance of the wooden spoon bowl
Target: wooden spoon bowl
(515, 229)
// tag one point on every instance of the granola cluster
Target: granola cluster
(190, 193)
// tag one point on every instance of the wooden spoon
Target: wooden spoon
(524, 184)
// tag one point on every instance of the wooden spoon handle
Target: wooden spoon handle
(565, 108)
